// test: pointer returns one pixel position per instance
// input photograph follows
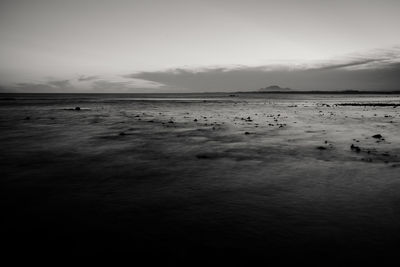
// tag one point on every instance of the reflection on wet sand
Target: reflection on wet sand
(241, 177)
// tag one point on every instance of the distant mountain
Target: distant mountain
(274, 88)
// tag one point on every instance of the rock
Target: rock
(122, 133)
(321, 148)
(207, 155)
(246, 133)
(377, 136)
(77, 108)
(355, 148)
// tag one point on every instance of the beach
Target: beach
(212, 177)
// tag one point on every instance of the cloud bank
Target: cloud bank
(86, 84)
(378, 70)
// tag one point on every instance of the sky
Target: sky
(198, 45)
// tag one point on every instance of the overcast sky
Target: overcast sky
(198, 45)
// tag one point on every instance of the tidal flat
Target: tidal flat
(200, 178)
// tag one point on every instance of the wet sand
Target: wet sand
(202, 178)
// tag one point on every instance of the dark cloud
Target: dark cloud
(58, 86)
(3, 89)
(34, 88)
(351, 64)
(378, 59)
(379, 73)
(93, 85)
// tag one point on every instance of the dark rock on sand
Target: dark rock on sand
(77, 108)
(377, 136)
(355, 148)
(206, 156)
(321, 148)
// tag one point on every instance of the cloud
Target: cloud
(87, 84)
(83, 78)
(63, 84)
(130, 86)
(54, 86)
(375, 71)
(349, 64)
(3, 89)
(382, 58)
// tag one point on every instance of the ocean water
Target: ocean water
(202, 177)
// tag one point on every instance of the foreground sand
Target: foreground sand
(199, 179)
